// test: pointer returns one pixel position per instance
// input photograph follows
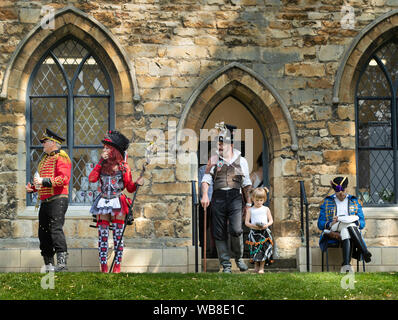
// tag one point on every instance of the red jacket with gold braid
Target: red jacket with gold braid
(56, 166)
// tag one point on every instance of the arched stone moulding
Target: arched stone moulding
(261, 99)
(70, 21)
(368, 40)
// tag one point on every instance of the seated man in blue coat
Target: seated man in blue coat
(340, 218)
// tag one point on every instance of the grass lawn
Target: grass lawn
(210, 286)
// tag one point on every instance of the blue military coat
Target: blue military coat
(328, 211)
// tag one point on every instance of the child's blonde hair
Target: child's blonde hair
(259, 193)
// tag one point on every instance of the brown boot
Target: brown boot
(334, 235)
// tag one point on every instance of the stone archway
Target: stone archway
(244, 84)
(271, 113)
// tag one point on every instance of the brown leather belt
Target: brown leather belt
(58, 196)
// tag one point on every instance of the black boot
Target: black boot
(359, 243)
(346, 255)
(61, 261)
(49, 262)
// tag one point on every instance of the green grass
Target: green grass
(210, 286)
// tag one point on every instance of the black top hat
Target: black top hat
(49, 135)
(118, 140)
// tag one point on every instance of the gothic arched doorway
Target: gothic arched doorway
(253, 146)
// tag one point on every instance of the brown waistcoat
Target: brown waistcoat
(228, 176)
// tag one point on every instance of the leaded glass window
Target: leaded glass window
(376, 111)
(70, 93)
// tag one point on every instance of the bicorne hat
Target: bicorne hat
(49, 135)
(339, 183)
(117, 140)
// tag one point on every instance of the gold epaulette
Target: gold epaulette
(63, 154)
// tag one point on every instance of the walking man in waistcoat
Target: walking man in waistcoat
(51, 182)
(229, 172)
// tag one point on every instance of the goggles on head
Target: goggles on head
(224, 134)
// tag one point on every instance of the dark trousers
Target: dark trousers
(51, 222)
(226, 209)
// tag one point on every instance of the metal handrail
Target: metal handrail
(195, 207)
(304, 202)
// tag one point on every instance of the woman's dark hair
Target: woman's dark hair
(115, 158)
(260, 160)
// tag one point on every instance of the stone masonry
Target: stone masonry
(171, 62)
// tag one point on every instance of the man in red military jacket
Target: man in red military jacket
(52, 184)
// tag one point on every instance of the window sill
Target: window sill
(73, 212)
(381, 212)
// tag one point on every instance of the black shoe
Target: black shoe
(366, 256)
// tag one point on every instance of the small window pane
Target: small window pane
(70, 54)
(47, 113)
(84, 161)
(91, 80)
(374, 126)
(376, 176)
(91, 120)
(49, 80)
(35, 156)
(373, 82)
(388, 56)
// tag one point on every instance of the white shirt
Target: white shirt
(243, 164)
(342, 206)
(259, 215)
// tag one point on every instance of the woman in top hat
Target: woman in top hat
(114, 175)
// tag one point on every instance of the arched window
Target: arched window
(376, 116)
(70, 93)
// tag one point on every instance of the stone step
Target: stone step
(279, 265)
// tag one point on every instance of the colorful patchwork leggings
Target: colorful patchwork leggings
(118, 240)
(103, 236)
